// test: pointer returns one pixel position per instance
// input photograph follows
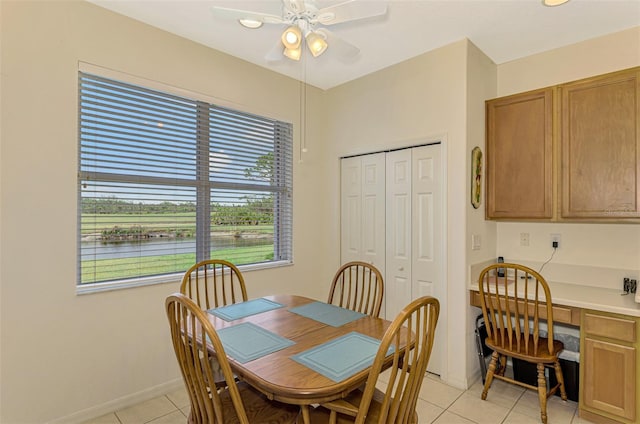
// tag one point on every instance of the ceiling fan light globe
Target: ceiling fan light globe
(292, 37)
(293, 54)
(316, 44)
(250, 23)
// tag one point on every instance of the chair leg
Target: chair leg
(333, 417)
(503, 365)
(560, 378)
(542, 393)
(490, 372)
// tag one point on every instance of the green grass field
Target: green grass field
(116, 269)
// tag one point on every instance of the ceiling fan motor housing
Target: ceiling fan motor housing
(302, 17)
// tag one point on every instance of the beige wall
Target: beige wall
(614, 246)
(600, 55)
(440, 94)
(422, 99)
(77, 356)
(67, 357)
(481, 85)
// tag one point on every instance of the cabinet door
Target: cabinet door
(608, 378)
(519, 156)
(600, 121)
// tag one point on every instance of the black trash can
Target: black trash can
(526, 372)
(570, 363)
(483, 351)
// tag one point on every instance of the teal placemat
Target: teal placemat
(244, 309)
(325, 313)
(340, 358)
(246, 341)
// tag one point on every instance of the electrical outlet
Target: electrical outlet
(629, 285)
(524, 239)
(555, 241)
(625, 285)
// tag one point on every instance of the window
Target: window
(165, 181)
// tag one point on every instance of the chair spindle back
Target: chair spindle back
(358, 286)
(512, 296)
(214, 283)
(190, 333)
(419, 318)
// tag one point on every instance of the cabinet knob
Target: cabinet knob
(401, 268)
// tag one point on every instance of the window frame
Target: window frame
(283, 230)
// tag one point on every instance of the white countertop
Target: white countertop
(588, 297)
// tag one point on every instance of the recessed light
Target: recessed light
(552, 3)
(250, 23)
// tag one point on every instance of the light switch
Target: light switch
(475, 242)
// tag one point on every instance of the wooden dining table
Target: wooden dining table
(284, 379)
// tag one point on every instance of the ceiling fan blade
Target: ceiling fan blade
(338, 46)
(350, 10)
(295, 6)
(228, 13)
(275, 54)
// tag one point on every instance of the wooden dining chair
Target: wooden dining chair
(514, 300)
(358, 286)
(195, 342)
(214, 283)
(211, 284)
(397, 403)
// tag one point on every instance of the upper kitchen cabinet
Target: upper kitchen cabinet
(600, 150)
(566, 153)
(519, 156)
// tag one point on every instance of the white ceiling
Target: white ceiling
(503, 29)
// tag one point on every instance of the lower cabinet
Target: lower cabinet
(609, 372)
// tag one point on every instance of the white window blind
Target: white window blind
(165, 181)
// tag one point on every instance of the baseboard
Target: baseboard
(473, 378)
(595, 418)
(120, 403)
(458, 383)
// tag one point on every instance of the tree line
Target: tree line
(254, 211)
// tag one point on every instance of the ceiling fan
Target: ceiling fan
(305, 23)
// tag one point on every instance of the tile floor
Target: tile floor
(438, 404)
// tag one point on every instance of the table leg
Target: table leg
(305, 414)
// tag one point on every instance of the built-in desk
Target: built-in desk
(609, 348)
(576, 297)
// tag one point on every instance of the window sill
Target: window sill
(162, 279)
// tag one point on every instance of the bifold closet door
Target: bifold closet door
(427, 239)
(398, 276)
(391, 216)
(363, 210)
(414, 234)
